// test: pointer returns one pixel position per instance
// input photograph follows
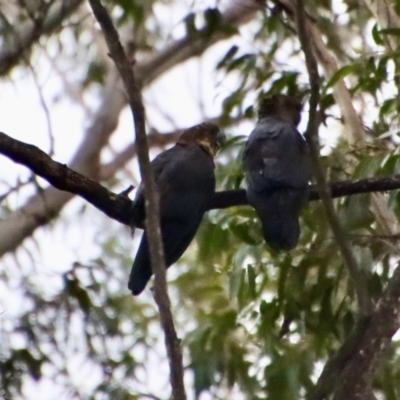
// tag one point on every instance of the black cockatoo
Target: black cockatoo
(185, 180)
(277, 170)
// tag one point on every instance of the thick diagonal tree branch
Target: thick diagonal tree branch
(356, 377)
(40, 209)
(152, 207)
(350, 372)
(117, 206)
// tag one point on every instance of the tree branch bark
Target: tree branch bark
(356, 377)
(117, 206)
(152, 221)
(350, 372)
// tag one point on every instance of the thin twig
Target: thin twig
(357, 274)
(17, 187)
(29, 33)
(153, 231)
(46, 110)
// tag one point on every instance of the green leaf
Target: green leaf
(390, 31)
(228, 56)
(376, 35)
(341, 73)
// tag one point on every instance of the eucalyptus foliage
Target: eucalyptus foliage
(254, 324)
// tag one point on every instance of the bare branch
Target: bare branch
(64, 178)
(152, 222)
(117, 207)
(29, 33)
(16, 187)
(45, 110)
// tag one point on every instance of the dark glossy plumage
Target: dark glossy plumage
(277, 171)
(185, 179)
